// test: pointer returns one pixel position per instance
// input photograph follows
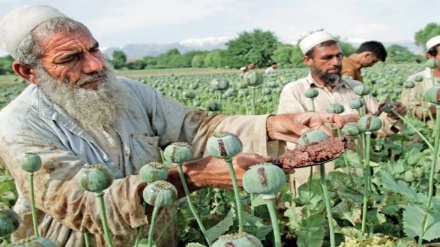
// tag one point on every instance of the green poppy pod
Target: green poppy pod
(223, 145)
(272, 84)
(369, 123)
(160, 194)
(432, 63)
(32, 162)
(214, 106)
(335, 108)
(264, 178)
(153, 171)
(189, 95)
(311, 93)
(361, 90)
(219, 84)
(237, 240)
(312, 136)
(267, 91)
(432, 95)
(253, 78)
(418, 78)
(356, 103)
(9, 222)
(178, 152)
(95, 178)
(194, 86)
(350, 129)
(409, 84)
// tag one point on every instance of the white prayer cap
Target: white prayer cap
(243, 68)
(432, 42)
(20, 22)
(311, 40)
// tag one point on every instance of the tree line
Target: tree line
(257, 46)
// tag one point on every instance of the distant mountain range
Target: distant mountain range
(135, 51)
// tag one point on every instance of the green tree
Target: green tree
(119, 59)
(256, 46)
(198, 61)
(137, 65)
(214, 59)
(283, 54)
(5, 65)
(346, 47)
(400, 54)
(423, 35)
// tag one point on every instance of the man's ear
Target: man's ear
(25, 71)
(308, 60)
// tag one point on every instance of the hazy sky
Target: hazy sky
(116, 23)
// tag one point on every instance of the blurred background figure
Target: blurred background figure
(366, 55)
(271, 68)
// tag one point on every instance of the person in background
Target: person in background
(76, 111)
(366, 55)
(423, 80)
(250, 66)
(323, 55)
(271, 69)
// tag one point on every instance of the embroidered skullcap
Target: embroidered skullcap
(20, 22)
(432, 42)
(311, 40)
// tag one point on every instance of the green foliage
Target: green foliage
(400, 54)
(283, 54)
(118, 59)
(423, 35)
(413, 217)
(256, 46)
(6, 65)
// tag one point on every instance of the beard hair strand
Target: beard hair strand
(98, 108)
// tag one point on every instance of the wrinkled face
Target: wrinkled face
(74, 58)
(326, 64)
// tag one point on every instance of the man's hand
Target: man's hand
(399, 108)
(289, 127)
(213, 172)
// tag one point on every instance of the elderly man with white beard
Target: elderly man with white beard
(76, 111)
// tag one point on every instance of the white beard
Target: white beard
(98, 108)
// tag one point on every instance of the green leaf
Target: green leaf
(412, 222)
(402, 188)
(221, 227)
(294, 218)
(312, 232)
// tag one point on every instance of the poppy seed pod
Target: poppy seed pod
(224, 145)
(32, 162)
(178, 152)
(350, 129)
(432, 95)
(409, 84)
(237, 240)
(219, 84)
(418, 78)
(253, 78)
(95, 178)
(311, 93)
(356, 103)
(153, 171)
(335, 108)
(264, 178)
(9, 222)
(369, 123)
(433, 63)
(312, 136)
(361, 90)
(160, 194)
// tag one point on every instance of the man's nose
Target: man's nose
(92, 63)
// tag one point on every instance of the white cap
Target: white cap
(243, 68)
(316, 38)
(432, 42)
(20, 22)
